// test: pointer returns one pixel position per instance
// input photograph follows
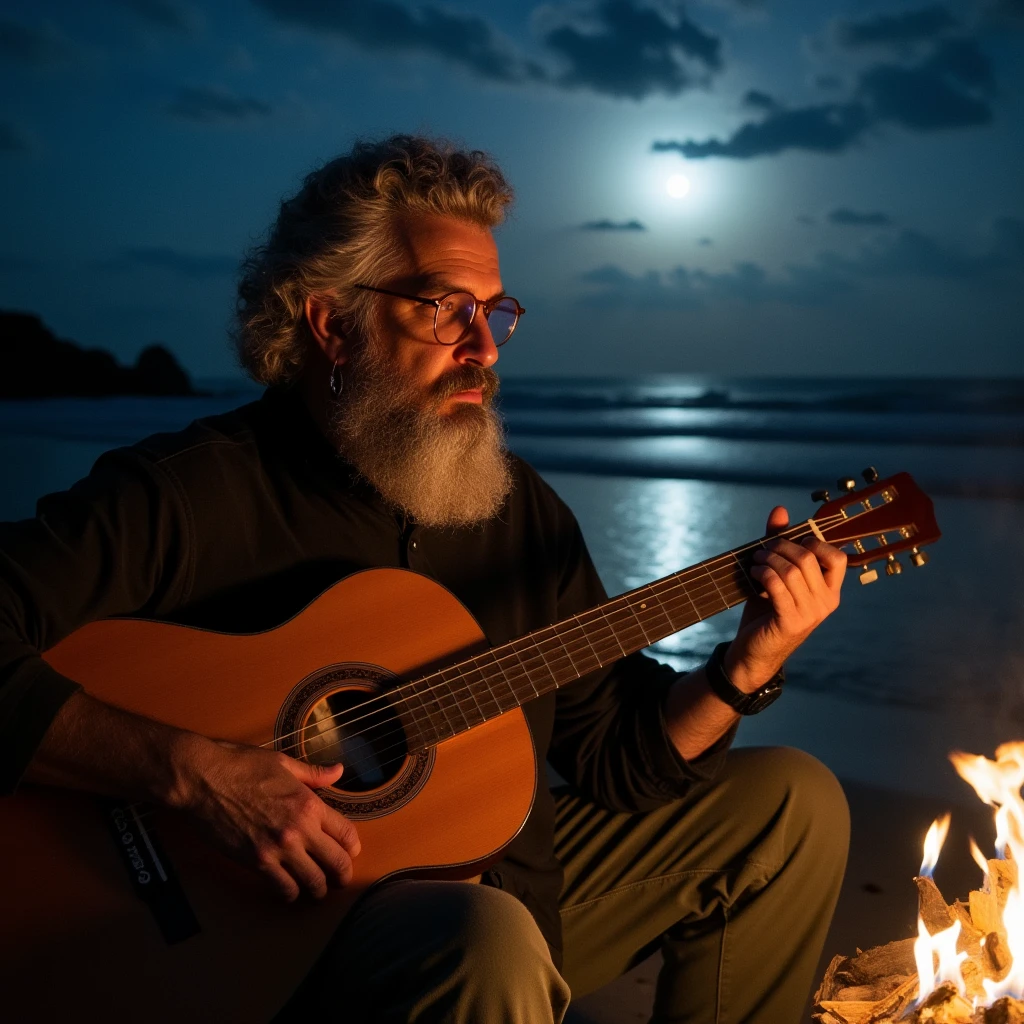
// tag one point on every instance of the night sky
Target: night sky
(855, 169)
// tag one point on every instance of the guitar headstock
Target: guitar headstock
(877, 522)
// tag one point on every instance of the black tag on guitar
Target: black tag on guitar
(153, 878)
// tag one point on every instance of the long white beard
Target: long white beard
(442, 470)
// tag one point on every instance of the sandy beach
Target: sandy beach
(878, 902)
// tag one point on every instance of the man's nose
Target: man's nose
(478, 346)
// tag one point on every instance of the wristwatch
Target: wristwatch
(745, 703)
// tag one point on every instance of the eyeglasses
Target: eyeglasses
(454, 314)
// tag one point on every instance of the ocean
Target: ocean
(666, 471)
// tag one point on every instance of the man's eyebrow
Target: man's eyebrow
(432, 282)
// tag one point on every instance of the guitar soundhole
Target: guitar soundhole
(359, 730)
(344, 713)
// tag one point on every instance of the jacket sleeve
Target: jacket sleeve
(609, 738)
(116, 543)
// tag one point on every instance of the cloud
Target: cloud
(896, 30)
(12, 140)
(948, 88)
(684, 288)
(465, 40)
(705, 241)
(35, 47)
(210, 105)
(758, 100)
(629, 50)
(165, 258)
(825, 128)
(805, 219)
(611, 225)
(911, 254)
(853, 218)
(163, 14)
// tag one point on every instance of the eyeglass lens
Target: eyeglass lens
(455, 314)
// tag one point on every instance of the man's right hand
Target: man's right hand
(260, 807)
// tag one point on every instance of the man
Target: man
(374, 312)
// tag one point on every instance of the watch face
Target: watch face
(759, 701)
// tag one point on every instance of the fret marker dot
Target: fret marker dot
(642, 606)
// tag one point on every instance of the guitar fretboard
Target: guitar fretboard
(438, 706)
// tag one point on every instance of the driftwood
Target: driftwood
(880, 985)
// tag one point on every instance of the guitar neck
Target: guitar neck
(440, 705)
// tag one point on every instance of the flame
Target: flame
(998, 783)
(933, 844)
(943, 945)
(979, 858)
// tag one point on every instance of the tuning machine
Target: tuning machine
(821, 495)
(868, 575)
(918, 557)
(846, 483)
(892, 567)
(870, 474)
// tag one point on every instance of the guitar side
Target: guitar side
(74, 936)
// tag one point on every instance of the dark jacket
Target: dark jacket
(240, 520)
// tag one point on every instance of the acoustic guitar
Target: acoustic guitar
(111, 910)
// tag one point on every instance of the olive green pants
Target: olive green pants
(735, 884)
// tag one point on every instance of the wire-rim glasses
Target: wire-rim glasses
(455, 312)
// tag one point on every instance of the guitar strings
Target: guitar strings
(523, 670)
(384, 704)
(793, 533)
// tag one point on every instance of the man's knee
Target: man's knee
(808, 796)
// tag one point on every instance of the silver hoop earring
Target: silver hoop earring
(336, 382)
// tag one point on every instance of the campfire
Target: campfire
(966, 965)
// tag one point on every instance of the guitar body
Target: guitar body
(76, 941)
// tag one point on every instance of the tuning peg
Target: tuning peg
(868, 575)
(870, 474)
(819, 495)
(892, 567)
(918, 557)
(846, 483)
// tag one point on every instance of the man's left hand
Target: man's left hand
(801, 589)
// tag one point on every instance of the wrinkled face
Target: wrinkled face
(440, 255)
(415, 417)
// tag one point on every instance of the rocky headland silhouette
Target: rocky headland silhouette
(35, 363)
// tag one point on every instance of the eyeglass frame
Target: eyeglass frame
(487, 306)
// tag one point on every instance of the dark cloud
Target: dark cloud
(705, 241)
(852, 218)
(163, 14)
(922, 99)
(211, 105)
(466, 40)
(165, 258)
(37, 47)
(758, 100)
(828, 277)
(825, 128)
(896, 30)
(686, 288)
(611, 225)
(12, 140)
(948, 88)
(828, 82)
(623, 48)
(630, 50)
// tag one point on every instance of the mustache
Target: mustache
(467, 378)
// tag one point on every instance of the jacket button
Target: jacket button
(413, 545)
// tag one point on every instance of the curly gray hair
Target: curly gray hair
(338, 230)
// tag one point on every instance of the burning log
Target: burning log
(967, 964)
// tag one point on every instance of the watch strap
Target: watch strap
(724, 688)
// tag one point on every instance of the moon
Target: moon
(677, 186)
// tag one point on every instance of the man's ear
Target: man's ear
(324, 322)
